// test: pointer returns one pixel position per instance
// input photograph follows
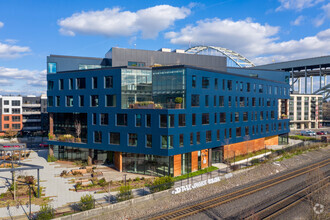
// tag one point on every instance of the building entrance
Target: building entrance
(217, 155)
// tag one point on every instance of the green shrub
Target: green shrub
(86, 202)
(125, 193)
(178, 100)
(161, 183)
(29, 179)
(255, 161)
(46, 212)
(102, 182)
(51, 158)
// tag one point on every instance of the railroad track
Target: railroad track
(205, 205)
(284, 204)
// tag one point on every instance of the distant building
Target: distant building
(326, 113)
(305, 111)
(25, 114)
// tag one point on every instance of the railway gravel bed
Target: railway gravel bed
(240, 178)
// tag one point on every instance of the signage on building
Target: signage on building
(189, 187)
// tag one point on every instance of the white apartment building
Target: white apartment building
(305, 111)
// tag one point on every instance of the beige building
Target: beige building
(305, 111)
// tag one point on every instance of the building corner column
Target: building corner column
(90, 157)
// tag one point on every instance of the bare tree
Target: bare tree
(77, 125)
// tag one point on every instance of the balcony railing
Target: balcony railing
(31, 105)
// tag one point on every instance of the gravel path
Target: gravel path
(151, 207)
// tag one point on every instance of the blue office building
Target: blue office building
(164, 119)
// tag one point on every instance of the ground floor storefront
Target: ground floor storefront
(166, 165)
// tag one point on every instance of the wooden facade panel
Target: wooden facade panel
(242, 148)
(177, 165)
(205, 158)
(273, 140)
(118, 161)
(194, 161)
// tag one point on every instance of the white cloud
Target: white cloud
(257, 42)
(116, 22)
(1, 24)
(12, 51)
(298, 20)
(5, 82)
(297, 5)
(326, 9)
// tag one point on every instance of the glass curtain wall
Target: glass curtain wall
(167, 85)
(136, 86)
(148, 164)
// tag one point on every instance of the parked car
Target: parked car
(43, 145)
(306, 133)
(325, 132)
(320, 133)
(312, 132)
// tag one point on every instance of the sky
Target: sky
(263, 31)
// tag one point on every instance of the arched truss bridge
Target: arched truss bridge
(232, 55)
(325, 91)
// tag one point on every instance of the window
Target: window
(194, 100)
(57, 101)
(236, 116)
(205, 119)
(97, 137)
(215, 101)
(231, 117)
(81, 101)
(208, 136)
(218, 135)
(221, 101)
(238, 132)
(205, 82)
(222, 117)
(16, 118)
(226, 133)
(6, 102)
(110, 100)
(121, 119)
(261, 115)
(171, 120)
(115, 138)
(139, 64)
(94, 82)
(182, 120)
(223, 84)
(246, 131)
(132, 140)
(275, 90)
(241, 101)
(198, 137)
(16, 126)
(61, 84)
(16, 111)
(15, 103)
(70, 84)
(230, 85)
(260, 88)
(94, 100)
(253, 101)
(167, 142)
(138, 120)
(216, 83)
(268, 102)
(229, 101)
(148, 120)
(181, 140)
(6, 125)
(108, 83)
(51, 67)
(253, 131)
(163, 121)
(94, 118)
(236, 101)
(81, 83)
(193, 119)
(148, 140)
(69, 101)
(104, 118)
(206, 101)
(248, 87)
(193, 83)
(241, 86)
(215, 118)
(267, 127)
(49, 100)
(245, 116)
(191, 138)
(6, 118)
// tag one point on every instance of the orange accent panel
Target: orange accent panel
(273, 140)
(118, 161)
(242, 148)
(177, 165)
(194, 161)
(11, 122)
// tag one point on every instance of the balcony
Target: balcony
(31, 128)
(31, 120)
(32, 113)
(31, 105)
(67, 138)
